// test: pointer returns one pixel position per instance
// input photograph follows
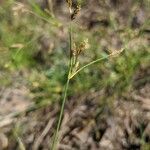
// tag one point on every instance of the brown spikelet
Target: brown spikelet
(69, 2)
(75, 13)
(77, 49)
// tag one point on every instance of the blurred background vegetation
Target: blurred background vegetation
(34, 48)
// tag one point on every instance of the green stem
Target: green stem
(70, 49)
(62, 108)
(60, 116)
(55, 140)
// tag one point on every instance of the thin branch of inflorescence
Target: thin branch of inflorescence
(96, 61)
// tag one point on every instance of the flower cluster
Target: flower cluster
(73, 11)
(77, 49)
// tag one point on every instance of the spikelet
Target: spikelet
(80, 48)
(83, 46)
(74, 50)
(75, 12)
(69, 2)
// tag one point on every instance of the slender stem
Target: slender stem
(70, 39)
(60, 116)
(55, 140)
(50, 5)
(62, 108)
(70, 49)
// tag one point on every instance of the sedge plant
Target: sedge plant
(73, 65)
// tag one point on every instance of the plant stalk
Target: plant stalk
(55, 140)
(60, 116)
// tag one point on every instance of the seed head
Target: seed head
(75, 12)
(77, 49)
(69, 2)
